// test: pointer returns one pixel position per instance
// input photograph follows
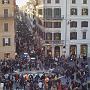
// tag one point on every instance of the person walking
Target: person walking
(59, 85)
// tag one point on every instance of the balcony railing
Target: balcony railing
(53, 42)
(53, 18)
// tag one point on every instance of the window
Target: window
(84, 1)
(84, 11)
(5, 1)
(48, 24)
(73, 11)
(40, 11)
(5, 12)
(6, 41)
(48, 36)
(5, 27)
(48, 13)
(73, 35)
(57, 13)
(84, 35)
(73, 1)
(84, 24)
(73, 24)
(57, 24)
(57, 1)
(48, 1)
(57, 36)
(39, 22)
(6, 55)
(73, 50)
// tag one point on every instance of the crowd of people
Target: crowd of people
(75, 73)
(72, 71)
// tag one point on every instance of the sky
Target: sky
(20, 2)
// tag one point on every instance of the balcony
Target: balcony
(53, 42)
(53, 18)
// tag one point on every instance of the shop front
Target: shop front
(83, 50)
(57, 51)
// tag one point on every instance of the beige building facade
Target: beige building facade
(7, 29)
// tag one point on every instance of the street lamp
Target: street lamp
(64, 47)
(66, 25)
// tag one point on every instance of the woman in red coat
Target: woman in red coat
(59, 85)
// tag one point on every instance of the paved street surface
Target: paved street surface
(49, 72)
(32, 71)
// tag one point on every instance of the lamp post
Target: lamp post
(64, 47)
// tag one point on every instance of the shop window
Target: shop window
(73, 50)
(57, 51)
(84, 50)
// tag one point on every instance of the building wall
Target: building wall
(11, 29)
(65, 29)
(79, 5)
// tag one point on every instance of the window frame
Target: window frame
(5, 13)
(84, 35)
(57, 34)
(6, 27)
(57, 24)
(48, 24)
(6, 41)
(5, 1)
(57, 13)
(48, 1)
(57, 1)
(84, 1)
(73, 1)
(47, 35)
(73, 35)
(73, 24)
(40, 11)
(48, 13)
(84, 24)
(84, 12)
(73, 11)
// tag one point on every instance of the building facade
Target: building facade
(64, 27)
(7, 29)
